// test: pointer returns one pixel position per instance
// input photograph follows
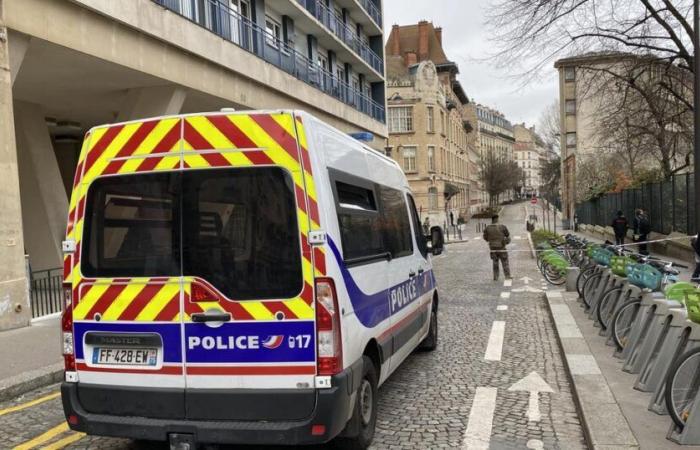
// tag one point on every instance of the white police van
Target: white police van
(246, 277)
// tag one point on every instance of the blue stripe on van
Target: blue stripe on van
(372, 309)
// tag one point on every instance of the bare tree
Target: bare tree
(498, 176)
(550, 125)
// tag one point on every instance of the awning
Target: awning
(450, 190)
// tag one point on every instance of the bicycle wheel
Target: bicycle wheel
(623, 321)
(682, 386)
(606, 306)
(584, 275)
(553, 275)
(587, 286)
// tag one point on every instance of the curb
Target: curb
(456, 242)
(532, 246)
(20, 384)
(602, 420)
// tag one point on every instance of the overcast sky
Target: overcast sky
(466, 42)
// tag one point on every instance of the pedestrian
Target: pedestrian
(620, 226)
(498, 236)
(426, 226)
(696, 246)
(642, 228)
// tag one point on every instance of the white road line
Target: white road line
(502, 308)
(507, 283)
(495, 346)
(477, 436)
(505, 294)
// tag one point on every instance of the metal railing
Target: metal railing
(46, 292)
(373, 11)
(345, 33)
(233, 27)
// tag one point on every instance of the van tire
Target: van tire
(431, 340)
(367, 423)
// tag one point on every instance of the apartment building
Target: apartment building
(78, 63)
(529, 152)
(428, 133)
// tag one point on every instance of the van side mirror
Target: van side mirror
(437, 240)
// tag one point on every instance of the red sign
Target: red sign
(534, 200)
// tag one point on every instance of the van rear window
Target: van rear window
(235, 228)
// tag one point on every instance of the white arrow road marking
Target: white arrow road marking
(507, 283)
(477, 436)
(502, 308)
(534, 384)
(494, 348)
(526, 280)
(515, 238)
(527, 289)
(505, 294)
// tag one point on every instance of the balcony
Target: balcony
(373, 11)
(346, 34)
(239, 30)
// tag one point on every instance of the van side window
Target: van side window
(358, 217)
(395, 222)
(417, 230)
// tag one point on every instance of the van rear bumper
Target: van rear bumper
(333, 406)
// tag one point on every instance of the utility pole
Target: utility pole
(696, 109)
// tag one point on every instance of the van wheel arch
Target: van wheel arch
(374, 352)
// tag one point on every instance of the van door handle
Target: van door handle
(411, 274)
(211, 317)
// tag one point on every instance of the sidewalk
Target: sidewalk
(31, 357)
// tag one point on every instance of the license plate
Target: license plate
(125, 356)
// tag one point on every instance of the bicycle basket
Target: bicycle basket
(644, 276)
(619, 265)
(692, 304)
(602, 256)
(590, 248)
(677, 291)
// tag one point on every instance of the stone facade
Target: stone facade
(529, 152)
(429, 131)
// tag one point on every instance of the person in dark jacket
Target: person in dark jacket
(498, 237)
(642, 228)
(620, 226)
(696, 246)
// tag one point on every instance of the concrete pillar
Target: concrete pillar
(44, 199)
(14, 298)
(18, 44)
(152, 101)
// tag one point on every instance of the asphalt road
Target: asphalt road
(469, 393)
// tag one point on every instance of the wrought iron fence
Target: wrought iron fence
(670, 205)
(233, 27)
(46, 292)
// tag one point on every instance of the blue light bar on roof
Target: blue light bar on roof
(363, 136)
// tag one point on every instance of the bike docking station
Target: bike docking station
(645, 315)
(629, 291)
(689, 339)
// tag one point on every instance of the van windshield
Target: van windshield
(235, 228)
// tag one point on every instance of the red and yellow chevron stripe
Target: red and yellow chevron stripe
(182, 143)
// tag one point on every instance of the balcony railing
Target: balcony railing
(241, 31)
(345, 33)
(373, 11)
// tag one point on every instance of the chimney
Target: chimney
(438, 33)
(423, 40)
(396, 42)
(411, 59)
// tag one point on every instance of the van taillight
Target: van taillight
(67, 329)
(330, 347)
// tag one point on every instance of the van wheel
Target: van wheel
(430, 342)
(365, 411)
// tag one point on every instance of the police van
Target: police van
(239, 277)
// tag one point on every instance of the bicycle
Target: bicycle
(682, 386)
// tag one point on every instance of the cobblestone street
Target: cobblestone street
(430, 401)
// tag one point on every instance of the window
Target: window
(409, 158)
(420, 238)
(401, 119)
(432, 198)
(395, 222)
(359, 221)
(431, 119)
(570, 107)
(273, 34)
(239, 234)
(431, 158)
(569, 74)
(442, 122)
(570, 140)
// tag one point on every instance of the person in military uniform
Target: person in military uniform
(498, 236)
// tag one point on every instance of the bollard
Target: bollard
(660, 321)
(671, 340)
(647, 307)
(690, 341)
(572, 274)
